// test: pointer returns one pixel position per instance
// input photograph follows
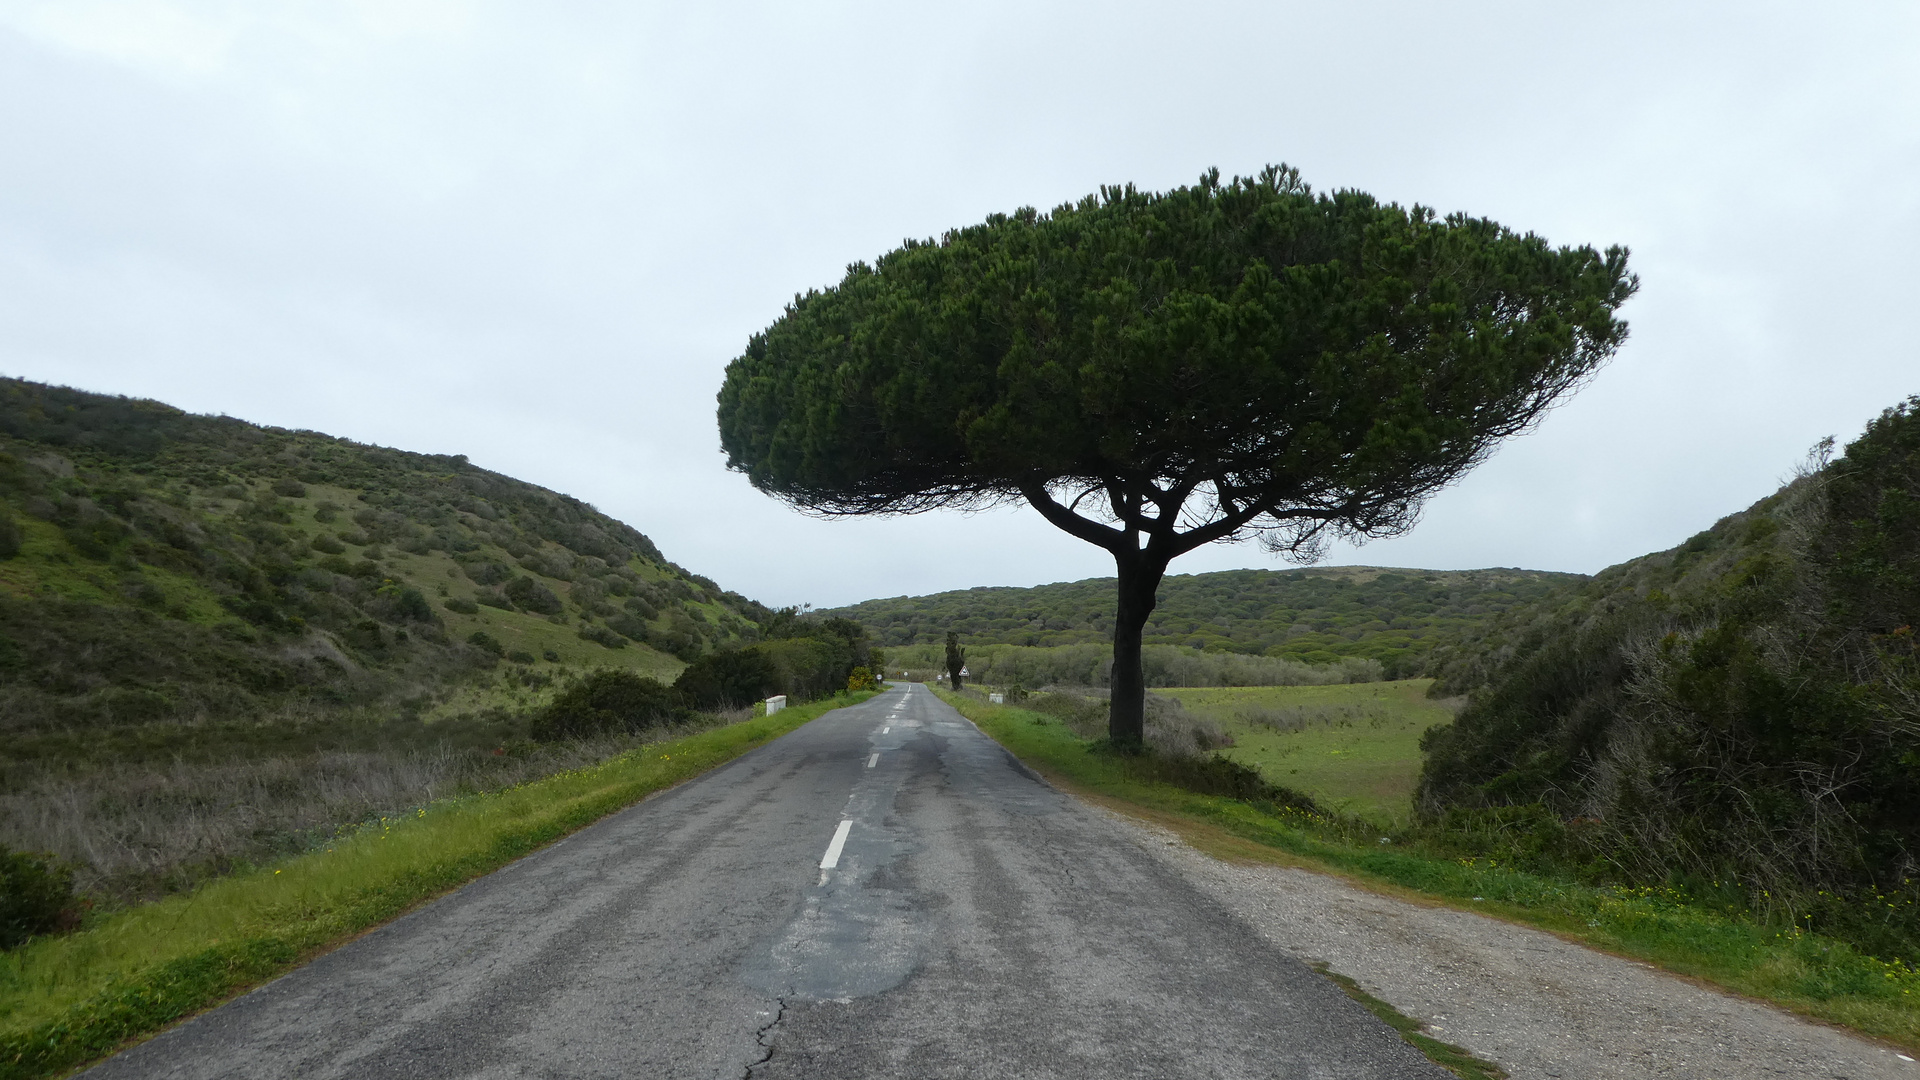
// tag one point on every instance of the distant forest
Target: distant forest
(1316, 615)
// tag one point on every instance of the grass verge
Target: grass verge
(69, 1000)
(1444, 1054)
(1811, 974)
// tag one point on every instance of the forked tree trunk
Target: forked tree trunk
(1139, 587)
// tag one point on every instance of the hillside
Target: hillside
(160, 568)
(1742, 709)
(1315, 615)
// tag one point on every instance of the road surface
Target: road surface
(885, 892)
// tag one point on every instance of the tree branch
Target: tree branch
(1070, 522)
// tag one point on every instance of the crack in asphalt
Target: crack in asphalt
(762, 1036)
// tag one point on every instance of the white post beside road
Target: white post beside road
(776, 703)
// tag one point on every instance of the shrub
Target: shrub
(602, 636)
(9, 533)
(630, 626)
(492, 598)
(530, 595)
(604, 702)
(862, 679)
(550, 656)
(520, 656)
(462, 605)
(486, 573)
(728, 679)
(402, 603)
(325, 511)
(288, 487)
(36, 897)
(486, 643)
(327, 545)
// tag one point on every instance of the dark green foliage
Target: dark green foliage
(730, 678)
(9, 533)
(600, 635)
(290, 488)
(463, 607)
(1155, 372)
(530, 595)
(521, 656)
(400, 603)
(492, 598)
(1312, 615)
(956, 659)
(1742, 709)
(808, 668)
(486, 643)
(36, 897)
(607, 700)
(327, 545)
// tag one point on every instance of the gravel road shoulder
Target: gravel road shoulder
(1524, 999)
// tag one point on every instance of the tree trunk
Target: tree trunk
(1139, 588)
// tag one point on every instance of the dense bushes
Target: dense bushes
(607, 701)
(1744, 708)
(730, 679)
(36, 897)
(211, 564)
(1310, 616)
(1163, 665)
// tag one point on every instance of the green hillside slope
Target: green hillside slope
(1743, 709)
(1314, 615)
(162, 568)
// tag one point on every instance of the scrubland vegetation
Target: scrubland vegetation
(1235, 811)
(1737, 718)
(1314, 616)
(1076, 666)
(221, 643)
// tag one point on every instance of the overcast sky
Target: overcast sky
(536, 234)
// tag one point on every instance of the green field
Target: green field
(1353, 747)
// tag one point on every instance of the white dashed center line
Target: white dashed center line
(872, 760)
(885, 729)
(832, 858)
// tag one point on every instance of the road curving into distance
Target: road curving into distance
(884, 892)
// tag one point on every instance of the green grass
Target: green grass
(1810, 973)
(1356, 748)
(68, 1000)
(1444, 1054)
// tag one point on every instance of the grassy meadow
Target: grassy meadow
(1355, 748)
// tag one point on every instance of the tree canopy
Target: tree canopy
(1154, 372)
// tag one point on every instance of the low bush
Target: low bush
(462, 605)
(520, 656)
(486, 643)
(36, 897)
(605, 701)
(729, 679)
(327, 545)
(530, 595)
(600, 635)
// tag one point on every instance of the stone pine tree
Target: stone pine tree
(1154, 372)
(956, 659)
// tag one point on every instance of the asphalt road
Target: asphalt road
(976, 923)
